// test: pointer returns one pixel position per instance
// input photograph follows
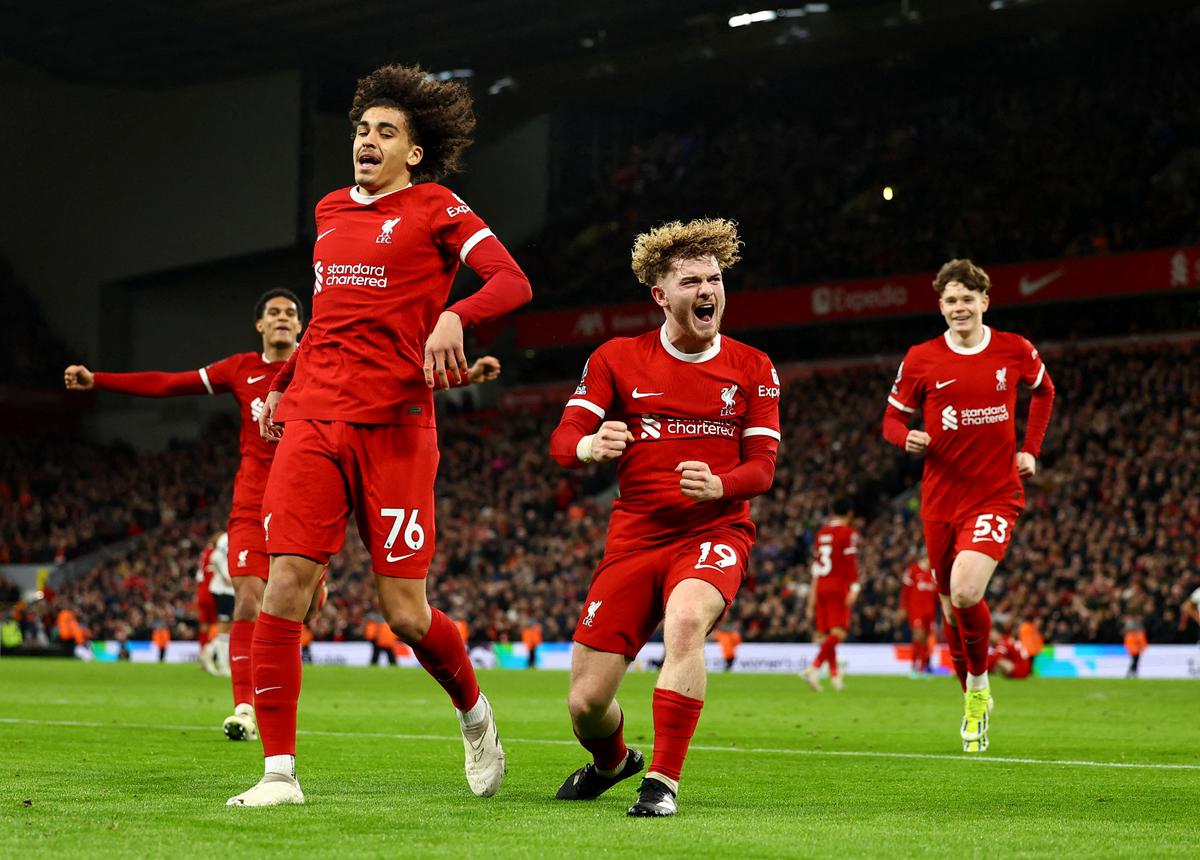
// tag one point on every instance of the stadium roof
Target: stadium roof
(153, 44)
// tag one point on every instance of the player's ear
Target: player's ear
(984, 299)
(659, 295)
(414, 156)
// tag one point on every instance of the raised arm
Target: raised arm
(145, 384)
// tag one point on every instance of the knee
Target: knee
(409, 623)
(246, 606)
(965, 594)
(685, 627)
(587, 702)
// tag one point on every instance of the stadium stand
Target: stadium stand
(1001, 166)
(1110, 532)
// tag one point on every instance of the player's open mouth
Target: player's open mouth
(368, 159)
(705, 313)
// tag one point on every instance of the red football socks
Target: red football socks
(608, 752)
(828, 654)
(276, 659)
(443, 654)
(957, 653)
(975, 627)
(675, 718)
(241, 640)
(919, 659)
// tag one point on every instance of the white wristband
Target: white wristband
(583, 450)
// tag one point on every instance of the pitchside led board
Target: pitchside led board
(1055, 661)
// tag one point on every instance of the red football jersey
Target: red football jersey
(204, 572)
(382, 267)
(969, 399)
(1010, 649)
(919, 594)
(835, 560)
(678, 406)
(247, 376)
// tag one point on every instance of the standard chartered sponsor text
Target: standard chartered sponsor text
(986, 415)
(357, 275)
(701, 427)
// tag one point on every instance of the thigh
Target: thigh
(393, 471)
(247, 548)
(987, 529)
(624, 603)
(305, 506)
(939, 544)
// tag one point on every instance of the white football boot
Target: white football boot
(812, 677)
(241, 725)
(484, 756)
(274, 789)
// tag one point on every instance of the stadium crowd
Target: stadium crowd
(61, 497)
(1110, 533)
(1014, 157)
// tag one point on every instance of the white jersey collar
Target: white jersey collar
(969, 350)
(358, 197)
(689, 357)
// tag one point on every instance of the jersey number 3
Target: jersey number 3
(823, 564)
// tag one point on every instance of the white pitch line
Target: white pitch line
(552, 742)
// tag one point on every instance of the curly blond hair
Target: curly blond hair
(440, 114)
(655, 252)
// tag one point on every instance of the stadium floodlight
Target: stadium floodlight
(453, 74)
(748, 18)
(502, 84)
(888, 192)
(767, 15)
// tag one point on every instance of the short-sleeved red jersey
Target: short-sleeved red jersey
(969, 398)
(835, 560)
(382, 271)
(919, 592)
(678, 406)
(247, 376)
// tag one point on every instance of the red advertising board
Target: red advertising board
(1015, 284)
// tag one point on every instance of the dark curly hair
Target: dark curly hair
(966, 273)
(439, 114)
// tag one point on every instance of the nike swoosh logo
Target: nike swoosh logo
(940, 385)
(250, 380)
(326, 233)
(235, 659)
(638, 395)
(259, 692)
(1027, 286)
(391, 557)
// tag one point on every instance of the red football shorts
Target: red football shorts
(629, 592)
(382, 473)
(831, 612)
(987, 529)
(247, 549)
(206, 607)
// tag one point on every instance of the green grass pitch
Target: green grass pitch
(128, 761)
